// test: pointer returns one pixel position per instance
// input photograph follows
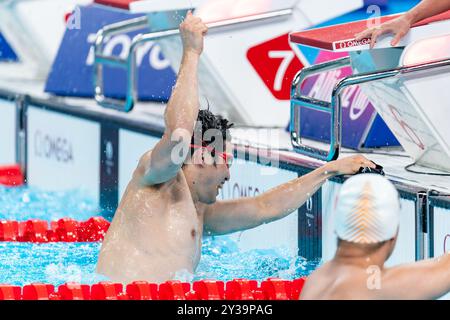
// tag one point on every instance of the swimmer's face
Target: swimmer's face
(212, 173)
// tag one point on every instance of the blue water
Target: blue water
(57, 263)
(23, 203)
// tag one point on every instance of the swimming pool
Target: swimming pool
(61, 262)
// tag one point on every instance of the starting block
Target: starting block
(407, 84)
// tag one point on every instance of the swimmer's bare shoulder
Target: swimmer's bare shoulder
(334, 282)
(140, 173)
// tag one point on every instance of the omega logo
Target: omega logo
(53, 147)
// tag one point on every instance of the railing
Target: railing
(298, 101)
(129, 63)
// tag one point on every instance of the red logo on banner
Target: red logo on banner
(276, 64)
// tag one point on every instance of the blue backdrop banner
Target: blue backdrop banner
(72, 70)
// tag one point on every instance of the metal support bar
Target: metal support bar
(299, 100)
(130, 62)
(421, 207)
(335, 108)
(21, 157)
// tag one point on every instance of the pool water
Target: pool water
(23, 203)
(57, 263)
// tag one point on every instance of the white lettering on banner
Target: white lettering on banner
(155, 60)
(323, 86)
(352, 97)
(358, 104)
(240, 191)
(62, 146)
(287, 56)
(53, 147)
(345, 44)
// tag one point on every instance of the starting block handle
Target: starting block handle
(299, 100)
(335, 107)
(101, 59)
(130, 62)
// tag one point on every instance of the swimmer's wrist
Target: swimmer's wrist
(189, 53)
(410, 17)
(330, 170)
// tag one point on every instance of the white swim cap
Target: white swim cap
(367, 210)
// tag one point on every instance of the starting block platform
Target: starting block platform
(341, 38)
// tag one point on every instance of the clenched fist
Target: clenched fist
(192, 31)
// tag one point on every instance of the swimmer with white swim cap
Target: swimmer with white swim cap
(366, 223)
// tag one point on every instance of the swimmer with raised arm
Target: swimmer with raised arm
(367, 215)
(170, 201)
(401, 25)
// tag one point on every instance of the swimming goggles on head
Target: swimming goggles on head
(226, 157)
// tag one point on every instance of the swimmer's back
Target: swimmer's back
(336, 282)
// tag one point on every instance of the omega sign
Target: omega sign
(53, 147)
(236, 190)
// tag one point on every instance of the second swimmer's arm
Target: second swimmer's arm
(426, 9)
(427, 279)
(400, 26)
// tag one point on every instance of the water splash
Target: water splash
(57, 263)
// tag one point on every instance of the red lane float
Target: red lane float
(66, 230)
(11, 176)
(175, 290)
(242, 289)
(209, 290)
(62, 230)
(297, 287)
(8, 292)
(35, 231)
(38, 291)
(108, 291)
(74, 291)
(9, 230)
(93, 229)
(238, 289)
(142, 290)
(276, 289)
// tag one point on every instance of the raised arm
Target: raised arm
(163, 162)
(428, 279)
(401, 25)
(245, 213)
